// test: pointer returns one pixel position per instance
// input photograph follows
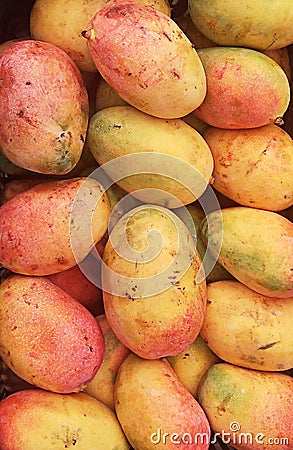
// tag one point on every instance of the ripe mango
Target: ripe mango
(52, 226)
(256, 247)
(253, 167)
(165, 155)
(46, 337)
(253, 408)
(154, 289)
(261, 25)
(257, 328)
(245, 88)
(164, 415)
(161, 74)
(191, 364)
(39, 419)
(44, 108)
(101, 385)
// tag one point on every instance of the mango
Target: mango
(256, 248)
(46, 337)
(42, 136)
(78, 286)
(253, 167)
(167, 80)
(164, 415)
(249, 409)
(52, 226)
(72, 16)
(107, 97)
(191, 364)
(257, 328)
(260, 25)
(35, 418)
(168, 157)
(153, 284)
(213, 269)
(245, 88)
(101, 385)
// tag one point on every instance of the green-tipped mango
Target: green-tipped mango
(168, 157)
(249, 409)
(256, 248)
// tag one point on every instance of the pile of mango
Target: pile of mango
(146, 235)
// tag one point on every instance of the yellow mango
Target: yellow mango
(168, 157)
(34, 418)
(164, 415)
(261, 25)
(191, 364)
(153, 288)
(257, 328)
(253, 167)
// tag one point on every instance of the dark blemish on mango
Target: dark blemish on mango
(176, 74)
(91, 349)
(166, 35)
(265, 347)
(82, 138)
(117, 126)
(28, 83)
(21, 113)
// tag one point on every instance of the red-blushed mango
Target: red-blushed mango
(44, 107)
(101, 385)
(257, 328)
(72, 17)
(161, 74)
(256, 247)
(191, 364)
(164, 415)
(78, 286)
(253, 167)
(245, 88)
(39, 419)
(46, 337)
(253, 408)
(52, 226)
(153, 284)
(260, 25)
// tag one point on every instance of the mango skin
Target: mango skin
(257, 248)
(261, 403)
(35, 418)
(245, 88)
(78, 286)
(46, 137)
(166, 321)
(191, 364)
(159, 402)
(35, 230)
(123, 130)
(257, 328)
(101, 385)
(247, 159)
(46, 337)
(72, 16)
(167, 80)
(256, 25)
